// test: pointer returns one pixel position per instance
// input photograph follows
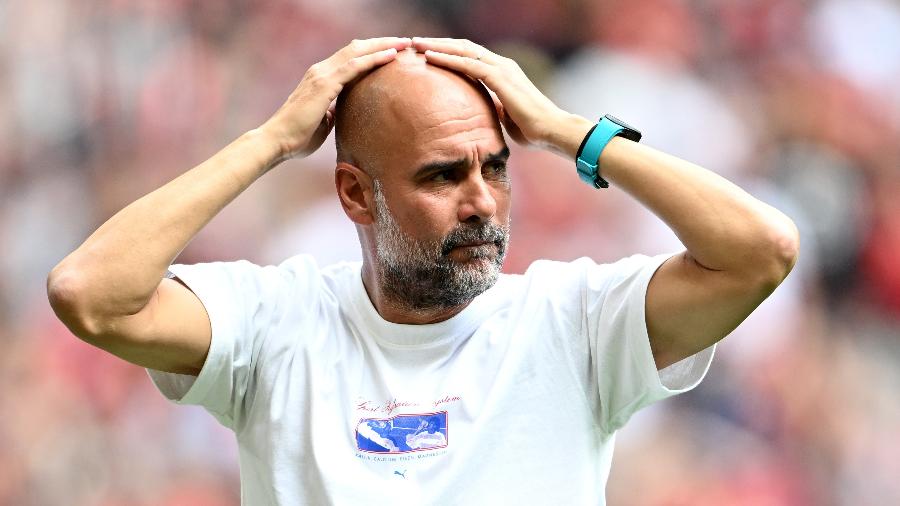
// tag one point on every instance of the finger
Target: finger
(497, 104)
(435, 39)
(319, 136)
(362, 64)
(477, 69)
(423, 40)
(456, 47)
(329, 114)
(511, 127)
(362, 47)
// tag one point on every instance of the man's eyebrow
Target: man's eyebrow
(499, 156)
(440, 166)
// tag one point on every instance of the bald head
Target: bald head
(399, 105)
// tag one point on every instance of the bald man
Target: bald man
(423, 375)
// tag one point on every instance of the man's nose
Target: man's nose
(477, 202)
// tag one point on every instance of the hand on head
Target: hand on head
(307, 117)
(304, 121)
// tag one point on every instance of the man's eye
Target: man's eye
(497, 169)
(444, 175)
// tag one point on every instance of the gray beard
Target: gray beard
(420, 275)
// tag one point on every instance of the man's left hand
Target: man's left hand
(529, 117)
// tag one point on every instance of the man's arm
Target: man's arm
(738, 248)
(111, 291)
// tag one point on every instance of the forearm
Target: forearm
(118, 268)
(722, 226)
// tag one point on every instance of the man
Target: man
(423, 375)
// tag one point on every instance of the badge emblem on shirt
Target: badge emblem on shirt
(402, 433)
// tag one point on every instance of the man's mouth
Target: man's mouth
(475, 241)
(474, 250)
(473, 244)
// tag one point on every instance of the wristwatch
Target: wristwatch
(587, 161)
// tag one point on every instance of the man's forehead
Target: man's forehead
(410, 71)
(415, 112)
(416, 90)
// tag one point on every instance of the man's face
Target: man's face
(442, 196)
(424, 273)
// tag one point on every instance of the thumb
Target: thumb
(329, 116)
(511, 128)
(321, 132)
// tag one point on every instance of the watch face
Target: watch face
(630, 132)
(620, 122)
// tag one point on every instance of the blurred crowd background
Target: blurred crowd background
(797, 101)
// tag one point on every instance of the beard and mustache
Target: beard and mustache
(420, 275)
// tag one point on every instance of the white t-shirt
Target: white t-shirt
(515, 400)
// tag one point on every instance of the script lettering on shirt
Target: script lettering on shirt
(367, 406)
(446, 400)
(387, 407)
(391, 405)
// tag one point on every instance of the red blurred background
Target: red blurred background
(797, 101)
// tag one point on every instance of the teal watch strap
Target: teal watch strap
(587, 161)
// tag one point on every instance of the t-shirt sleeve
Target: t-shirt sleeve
(627, 378)
(241, 300)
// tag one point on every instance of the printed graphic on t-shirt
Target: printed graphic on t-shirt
(402, 433)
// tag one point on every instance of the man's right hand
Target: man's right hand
(111, 292)
(301, 125)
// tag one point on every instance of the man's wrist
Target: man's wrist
(266, 146)
(566, 133)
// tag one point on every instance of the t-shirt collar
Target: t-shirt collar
(462, 324)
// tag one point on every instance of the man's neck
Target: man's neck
(396, 311)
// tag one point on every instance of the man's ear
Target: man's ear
(354, 189)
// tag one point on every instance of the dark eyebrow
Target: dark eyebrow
(499, 156)
(440, 166)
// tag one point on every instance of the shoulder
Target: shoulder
(584, 267)
(300, 268)
(294, 276)
(552, 277)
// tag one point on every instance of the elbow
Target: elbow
(777, 254)
(68, 295)
(789, 249)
